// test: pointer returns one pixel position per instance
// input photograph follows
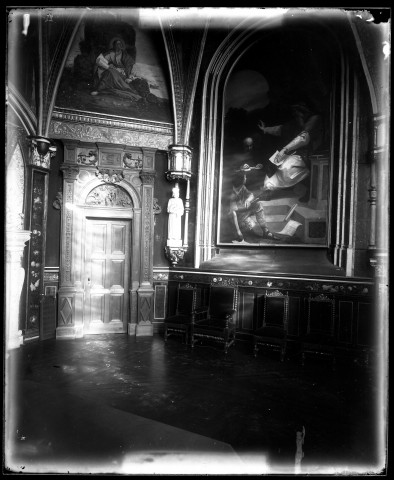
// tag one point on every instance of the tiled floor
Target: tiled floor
(117, 404)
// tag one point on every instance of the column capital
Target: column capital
(70, 172)
(42, 149)
(16, 239)
(148, 178)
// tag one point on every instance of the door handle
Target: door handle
(89, 283)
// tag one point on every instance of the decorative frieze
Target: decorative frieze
(92, 133)
(319, 286)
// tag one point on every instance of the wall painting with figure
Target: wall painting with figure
(114, 68)
(275, 162)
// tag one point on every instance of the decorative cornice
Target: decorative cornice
(110, 121)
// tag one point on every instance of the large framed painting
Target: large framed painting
(275, 157)
(116, 68)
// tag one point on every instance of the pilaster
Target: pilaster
(145, 292)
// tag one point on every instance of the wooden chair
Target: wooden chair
(188, 298)
(319, 339)
(217, 323)
(273, 332)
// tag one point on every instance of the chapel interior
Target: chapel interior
(196, 240)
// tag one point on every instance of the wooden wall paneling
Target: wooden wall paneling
(160, 301)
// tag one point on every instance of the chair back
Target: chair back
(222, 300)
(187, 299)
(276, 308)
(321, 314)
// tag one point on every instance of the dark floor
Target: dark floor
(119, 404)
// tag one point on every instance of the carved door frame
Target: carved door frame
(78, 182)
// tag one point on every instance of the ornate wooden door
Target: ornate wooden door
(107, 270)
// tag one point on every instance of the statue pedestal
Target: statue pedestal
(175, 254)
(15, 276)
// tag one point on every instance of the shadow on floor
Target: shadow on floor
(117, 404)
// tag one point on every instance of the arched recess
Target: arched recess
(16, 238)
(344, 127)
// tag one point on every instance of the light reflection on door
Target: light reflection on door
(107, 268)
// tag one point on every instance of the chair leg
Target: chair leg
(165, 334)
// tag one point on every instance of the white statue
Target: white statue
(175, 209)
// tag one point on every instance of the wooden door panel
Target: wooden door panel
(99, 236)
(97, 308)
(107, 256)
(118, 239)
(116, 307)
(116, 274)
(97, 273)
